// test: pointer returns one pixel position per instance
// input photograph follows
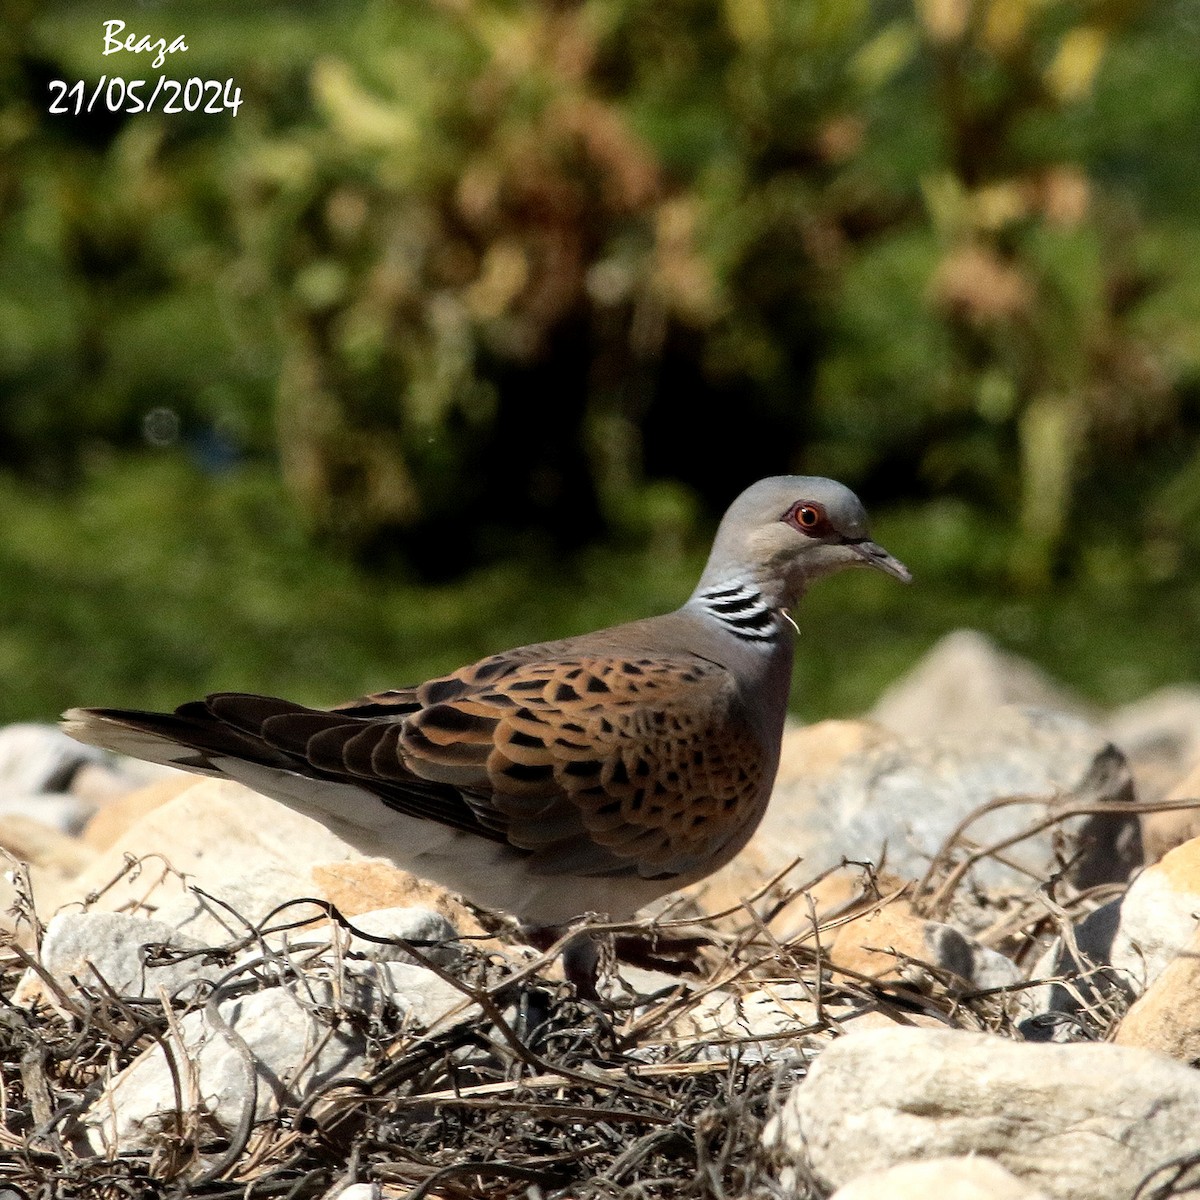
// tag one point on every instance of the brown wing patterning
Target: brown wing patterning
(642, 755)
(593, 764)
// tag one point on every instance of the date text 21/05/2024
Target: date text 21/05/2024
(117, 94)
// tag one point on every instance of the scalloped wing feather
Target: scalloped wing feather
(596, 763)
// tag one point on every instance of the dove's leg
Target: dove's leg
(580, 956)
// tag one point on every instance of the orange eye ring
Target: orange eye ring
(809, 518)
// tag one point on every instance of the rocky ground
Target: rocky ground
(960, 958)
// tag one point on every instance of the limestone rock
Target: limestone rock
(1163, 831)
(906, 795)
(268, 1049)
(757, 1020)
(417, 925)
(810, 750)
(229, 908)
(58, 810)
(1167, 1017)
(103, 952)
(290, 1050)
(34, 842)
(952, 1178)
(892, 943)
(1079, 1122)
(1160, 736)
(1158, 915)
(427, 1001)
(778, 1019)
(358, 885)
(116, 816)
(213, 832)
(40, 758)
(48, 858)
(249, 856)
(961, 683)
(885, 945)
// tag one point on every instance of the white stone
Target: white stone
(769, 1021)
(992, 969)
(426, 999)
(103, 951)
(960, 684)
(947, 1178)
(411, 924)
(775, 1021)
(295, 1041)
(356, 1191)
(1159, 915)
(290, 1048)
(58, 810)
(1160, 733)
(233, 906)
(905, 796)
(214, 833)
(1081, 1122)
(40, 758)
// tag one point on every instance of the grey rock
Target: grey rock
(243, 901)
(953, 1178)
(267, 1050)
(1079, 1122)
(289, 1048)
(1160, 735)
(220, 837)
(104, 951)
(776, 1022)
(1159, 915)
(40, 758)
(979, 967)
(990, 969)
(425, 998)
(960, 684)
(413, 924)
(59, 810)
(907, 795)
(773, 1022)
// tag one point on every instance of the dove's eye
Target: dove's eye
(809, 518)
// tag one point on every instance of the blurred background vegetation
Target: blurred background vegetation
(465, 328)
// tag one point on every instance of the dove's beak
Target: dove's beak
(874, 555)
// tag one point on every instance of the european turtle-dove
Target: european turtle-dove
(588, 775)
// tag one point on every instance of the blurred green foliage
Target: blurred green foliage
(473, 283)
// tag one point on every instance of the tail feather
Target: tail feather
(249, 712)
(189, 738)
(268, 745)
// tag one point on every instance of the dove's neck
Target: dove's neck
(738, 605)
(756, 641)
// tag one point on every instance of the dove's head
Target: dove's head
(782, 533)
